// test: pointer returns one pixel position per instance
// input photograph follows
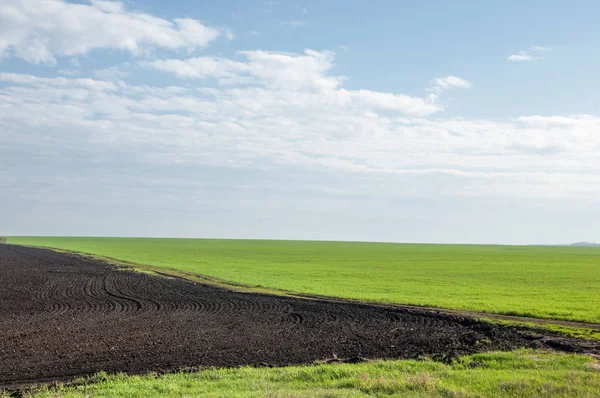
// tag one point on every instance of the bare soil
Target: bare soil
(65, 316)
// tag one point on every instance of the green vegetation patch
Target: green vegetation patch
(501, 374)
(536, 281)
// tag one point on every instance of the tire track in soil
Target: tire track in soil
(69, 316)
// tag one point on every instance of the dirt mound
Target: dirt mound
(64, 316)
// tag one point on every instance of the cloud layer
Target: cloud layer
(305, 121)
(259, 111)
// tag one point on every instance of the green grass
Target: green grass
(514, 374)
(547, 282)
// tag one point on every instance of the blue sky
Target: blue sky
(390, 121)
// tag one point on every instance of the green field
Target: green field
(537, 281)
(514, 374)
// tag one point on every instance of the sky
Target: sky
(401, 121)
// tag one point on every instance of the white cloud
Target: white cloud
(293, 71)
(35, 81)
(541, 48)
(228, 33)
(302, 77)
(442, 84)
(201, 67)
(521, 57)
(400, 103)
(296, 23)
(451, 81)
(526, 56)
(40, 30)
(114, 7)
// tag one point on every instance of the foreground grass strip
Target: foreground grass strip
(512, 374)
(536, 281)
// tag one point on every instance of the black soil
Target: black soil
(63, 316)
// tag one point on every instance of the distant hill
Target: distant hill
(585, 244)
